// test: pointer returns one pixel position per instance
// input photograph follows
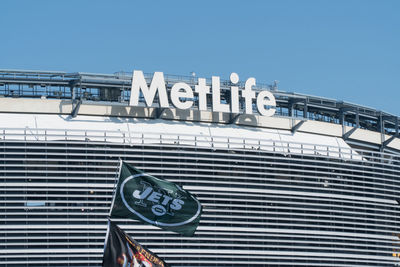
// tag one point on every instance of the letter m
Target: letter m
(157, 84)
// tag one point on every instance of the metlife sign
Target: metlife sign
(182, 95)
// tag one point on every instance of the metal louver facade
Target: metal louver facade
(263, 206)
(316, 184)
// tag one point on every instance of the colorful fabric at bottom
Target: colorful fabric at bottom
(122, 251)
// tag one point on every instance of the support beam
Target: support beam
(297, 126)
(294, 101)
(234, 118)
(381, 128)
(396, 135)
(347, 135)
(159, 112)
(381, 123)
(357, 118)
(75, 108)
(387, 142)
(305, 111)
(73, 93)
(290, 108)
(341, 117)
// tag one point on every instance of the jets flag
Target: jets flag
(121, 250)
(155, 201)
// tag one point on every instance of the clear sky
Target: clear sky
(342, 49)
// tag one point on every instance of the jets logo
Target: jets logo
(159, 199)
(162, 204)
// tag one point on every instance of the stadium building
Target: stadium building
(316, 183)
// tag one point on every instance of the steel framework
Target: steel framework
(116, 88)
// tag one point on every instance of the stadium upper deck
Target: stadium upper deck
(114, 89)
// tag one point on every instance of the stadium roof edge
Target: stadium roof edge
(115, 88)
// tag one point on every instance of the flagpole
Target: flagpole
(107, 234)
(115, 187)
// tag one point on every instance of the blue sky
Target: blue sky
(345, 50)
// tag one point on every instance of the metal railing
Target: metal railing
(199, 141)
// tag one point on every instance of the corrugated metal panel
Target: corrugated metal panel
(261, 207)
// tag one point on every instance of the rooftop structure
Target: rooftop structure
(116, 88)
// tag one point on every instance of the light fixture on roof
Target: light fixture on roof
(275, 86)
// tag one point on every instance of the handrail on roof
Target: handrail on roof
(10, 71)
(217, 142)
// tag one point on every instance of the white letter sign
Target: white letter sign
(183, 96)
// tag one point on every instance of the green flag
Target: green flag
(155, 201)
